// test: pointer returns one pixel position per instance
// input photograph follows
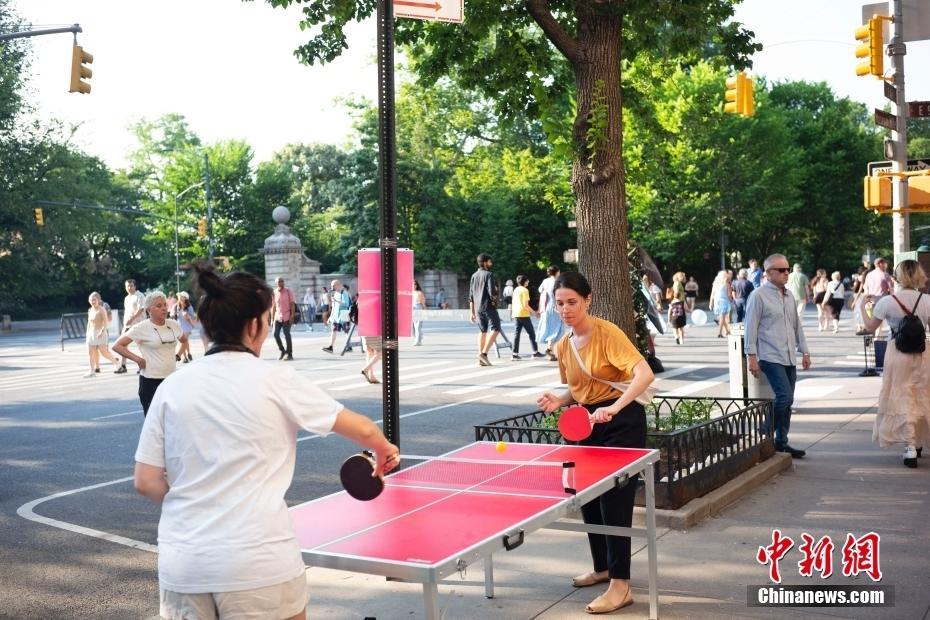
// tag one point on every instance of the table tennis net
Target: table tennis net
(492, 476)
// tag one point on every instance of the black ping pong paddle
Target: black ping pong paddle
(575, 423)
(356, 477)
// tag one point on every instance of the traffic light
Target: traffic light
(739, 96)
(39, 216)
(202, 228)
(79, 70)
(871, 48)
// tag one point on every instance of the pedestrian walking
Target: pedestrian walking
(741, 288)
(903, 404)
(184, 314)
(156, 337)
(98, 335)
(691, 292)
(419, 303)
(520, 311)
(878, 284)
(483, 297)
(218, 454)
(282, 310)
(755, 273)
(507, 293)
(834, 299)
(677, 311)
(721, 302)
(133, 314)
(607, 375)
(373, 349)
(773, 338)
(325, 304)
(309, 308)
(338, 312)
(819, 288)
(550, 324)
(800, 286)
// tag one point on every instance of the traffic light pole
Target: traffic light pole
(900, 219)
(75, 28)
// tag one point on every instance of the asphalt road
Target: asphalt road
(77, 542)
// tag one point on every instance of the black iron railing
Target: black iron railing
(693, 460)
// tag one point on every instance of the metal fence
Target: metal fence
(72, 327)
(694, 460)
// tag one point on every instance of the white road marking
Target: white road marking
(803, 390)
(116, 415)
(699, 386)
(484, 372)
(26, 512)
(523, 377)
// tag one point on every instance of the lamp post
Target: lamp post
(177, 253)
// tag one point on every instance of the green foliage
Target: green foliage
(596, 132)
(686, 413)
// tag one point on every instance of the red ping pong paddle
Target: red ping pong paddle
(356, 477)
(575, 423)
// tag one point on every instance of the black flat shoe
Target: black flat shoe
(794, 452)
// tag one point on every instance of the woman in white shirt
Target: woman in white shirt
(834, 299)
(157, 338)
(218, 452)
(903, 403)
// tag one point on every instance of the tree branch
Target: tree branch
(565, 43)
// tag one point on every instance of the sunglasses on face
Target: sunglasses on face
(780, 269)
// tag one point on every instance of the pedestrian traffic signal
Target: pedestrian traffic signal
(739, 96)
(79, 70)
(871, 48)
(39, 216)
(202, 228)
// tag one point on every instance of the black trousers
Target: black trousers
(147, 389)
(627, 429)
(524, 322)
(286, 326)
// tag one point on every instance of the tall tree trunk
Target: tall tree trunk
(597, 172)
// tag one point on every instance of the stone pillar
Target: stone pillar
(284, 257)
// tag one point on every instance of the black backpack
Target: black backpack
(910, 337)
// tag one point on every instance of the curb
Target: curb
(717, 500)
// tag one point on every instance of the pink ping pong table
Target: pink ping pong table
(430, 522)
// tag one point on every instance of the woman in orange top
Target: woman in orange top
(620, 421)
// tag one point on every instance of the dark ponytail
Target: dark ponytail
(227, 303)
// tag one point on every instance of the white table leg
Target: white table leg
(488, 576)
(431, 600)
(651, 542)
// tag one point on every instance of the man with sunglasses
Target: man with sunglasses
(774, 337)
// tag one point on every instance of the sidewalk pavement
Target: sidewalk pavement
(846, 484)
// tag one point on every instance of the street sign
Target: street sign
(891, 93)
(886, 120)
(918, 109)
(915, 16)
(913, 165)
(431, 10)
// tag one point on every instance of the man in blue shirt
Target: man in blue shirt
(755, 273)
(774, 337)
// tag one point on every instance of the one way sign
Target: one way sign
(431, 10)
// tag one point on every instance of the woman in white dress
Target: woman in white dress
(903, 403)
(98, 337)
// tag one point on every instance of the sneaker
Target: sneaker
(515, 357)
(120, 371)
(910, 457)
(177, 358)
(289, 358)
(551, 356)
(538, 355)
(281, 357)
(483, 360)
(794, 452)
(91, 375)
(327, 349)
(861, 332)
(97, 370)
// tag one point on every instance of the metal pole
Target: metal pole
(900, 219)
(723, 251)
(206, 180)
(177, 252)
(75, 28)
(386, 166)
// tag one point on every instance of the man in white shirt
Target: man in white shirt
(133, 313)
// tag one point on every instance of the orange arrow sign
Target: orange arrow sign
(420, 5)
